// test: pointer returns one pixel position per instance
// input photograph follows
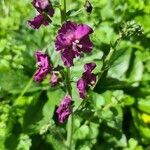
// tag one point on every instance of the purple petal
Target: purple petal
(63, 115)
(82, 31)
(67, 56)
(81, 86)
(38, 21)
(67, 26)
(89, 67)
(65, 35)
(42, 59)
(87, 45)
(44, 66)
(91, 79)
(88, 79)
(67, 101)
(64, 109)
(40, 74)
(54, 79)
(43, 6)
(62, 42)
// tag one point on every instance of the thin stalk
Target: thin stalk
(106, 62)
(70, 119)
(25, 89)
(63, 10)
(68, 83)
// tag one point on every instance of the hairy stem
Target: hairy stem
(68, 83)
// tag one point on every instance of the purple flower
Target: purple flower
(44, 66)
(43, 6)
(72, 40)
(89, 67)
(38, 21)
(54, 79)
(81, 85)
(88, 79)
(64, 110)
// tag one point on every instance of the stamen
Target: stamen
(76, 41)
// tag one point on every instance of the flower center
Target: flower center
(76, 44)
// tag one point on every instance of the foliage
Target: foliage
(116, 114)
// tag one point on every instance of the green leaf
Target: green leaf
(24, 142)
(120, 65)
(96, 100)
(82, 132)
(144, 104)
(128, 100)
(143, 128)
(10, 79)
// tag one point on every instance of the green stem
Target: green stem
(69, 132)
(68, 83)
(106, 62)
(25, 89)
(63, 10)
(70, 119)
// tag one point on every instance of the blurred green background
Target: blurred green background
(116, 115)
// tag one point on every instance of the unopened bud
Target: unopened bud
(131, 28)
(88, 6)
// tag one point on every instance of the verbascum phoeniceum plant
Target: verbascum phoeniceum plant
(72, 41)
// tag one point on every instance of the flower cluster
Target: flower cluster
(64, 110)
(45, 9)
(88, 79)
(44, 68)
(72, 40)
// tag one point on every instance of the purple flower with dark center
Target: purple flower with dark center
(54, 79)
(43, 6)
(64, 110)
(88, 79)
(38, 21)
(72, 40)
(44, 66)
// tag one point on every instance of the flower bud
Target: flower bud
(131, 28)
(54, 81)
(88, 6)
